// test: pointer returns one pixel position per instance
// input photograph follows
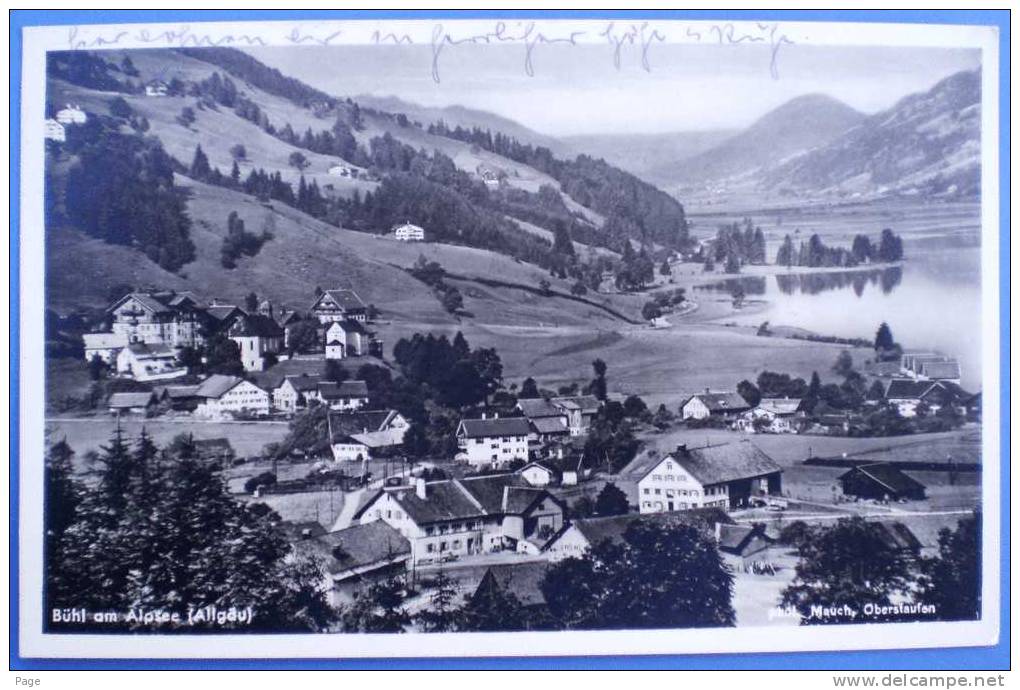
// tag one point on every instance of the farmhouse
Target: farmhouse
(548, 422)
(72, 115)
(54, 131)
(256, 336)
(537, 474)
(340, 170)
(104, 345)
(709, 404)
(451, 518)
(348, 395)
(579, 411)
(148, 362)
(881, 481)
(289, 396)
(906, 395)
(406, 232)
(346, 448)
(226, 396)
(181, 398)
(728, 475)
(579, 536)
(131, 403)
(339, 305)
(356, 557)
(493, 442)
(930, 366)
(763, 420)
(376, 431)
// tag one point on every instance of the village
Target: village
(519, 493)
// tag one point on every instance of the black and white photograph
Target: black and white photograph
(608, 336)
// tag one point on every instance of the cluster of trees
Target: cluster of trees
(450, 372)
(239, 242)
(852, 562)
(633, 208)
(636, 268)
(737, 244)
(158, 530)
(120, 188)
(815, 253)
(431, 273)
(84, 69)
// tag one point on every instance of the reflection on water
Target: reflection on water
(887, 279)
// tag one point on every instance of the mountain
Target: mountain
(649, 156)
(796, 126)
(927, 143)
(456, 115)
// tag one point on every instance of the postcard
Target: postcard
(412, 337)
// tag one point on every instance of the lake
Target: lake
(932, 302)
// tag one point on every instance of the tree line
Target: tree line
(815, 253)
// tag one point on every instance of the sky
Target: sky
(577, 89)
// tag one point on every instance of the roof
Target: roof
(523, 580)
(381, 439)
(585, 403)
(409, 226)
(542, 466)
(725, 462)
(720, 402)
(498, 426)
(302, 382)
(549, 425)
(736, 538)
(360, 422)
(104, 341)
(147, 300)
(286, 316)
(272, 378)
(779, 406)
(147, 351)
(331, 390)
(887, 475)
(129, 400)
(256, 325)
(459, 499)
(596, 530)
(216, 385)
(358, 546)
(538, 407)
(906, 389)
(177, 392)
(348, 300)
(898, 536)
(949, 369)
(221, 312)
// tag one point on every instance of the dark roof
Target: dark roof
(221, 312)
(273, 377)
(720, 402)
(549, 425)
(357, 546)
(585, 403)
(907, 389)
(129, 400)
(347, 299)
(538, 407)
(330, 390)
(726, 462)
(177, 392)
(147, 300)
(949, 369)
(898, 536)
(285, 317)
(737, 538)
(887, 475)
(953, 391)
(596, 530)
(257, 325)
(500, 426)
(209, 444)
(523, 580)
(216, 385)
(302, 382)
(459, 499)
(359, 422)
(349, 326)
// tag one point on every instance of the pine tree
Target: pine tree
(200, 169)
(441, 615)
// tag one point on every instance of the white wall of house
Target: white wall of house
(148, 368)
(694, 409)
(351, 451)
(570, 544)
(669, 487)
(536, 475)
(494, 451)
(244, 397)
(254, 349)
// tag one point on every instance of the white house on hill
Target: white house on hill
(339, 305)
(224, 396)
(148, 362)
(72, 115)
(709, 404)
(407, 232)
(346, 339)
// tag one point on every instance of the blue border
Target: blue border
(976, 658)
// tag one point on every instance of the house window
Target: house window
(658, 492)
(429, 531)
(647, 491)
(430, 548)
(456, 543)
(442, 546)
(470, 543)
